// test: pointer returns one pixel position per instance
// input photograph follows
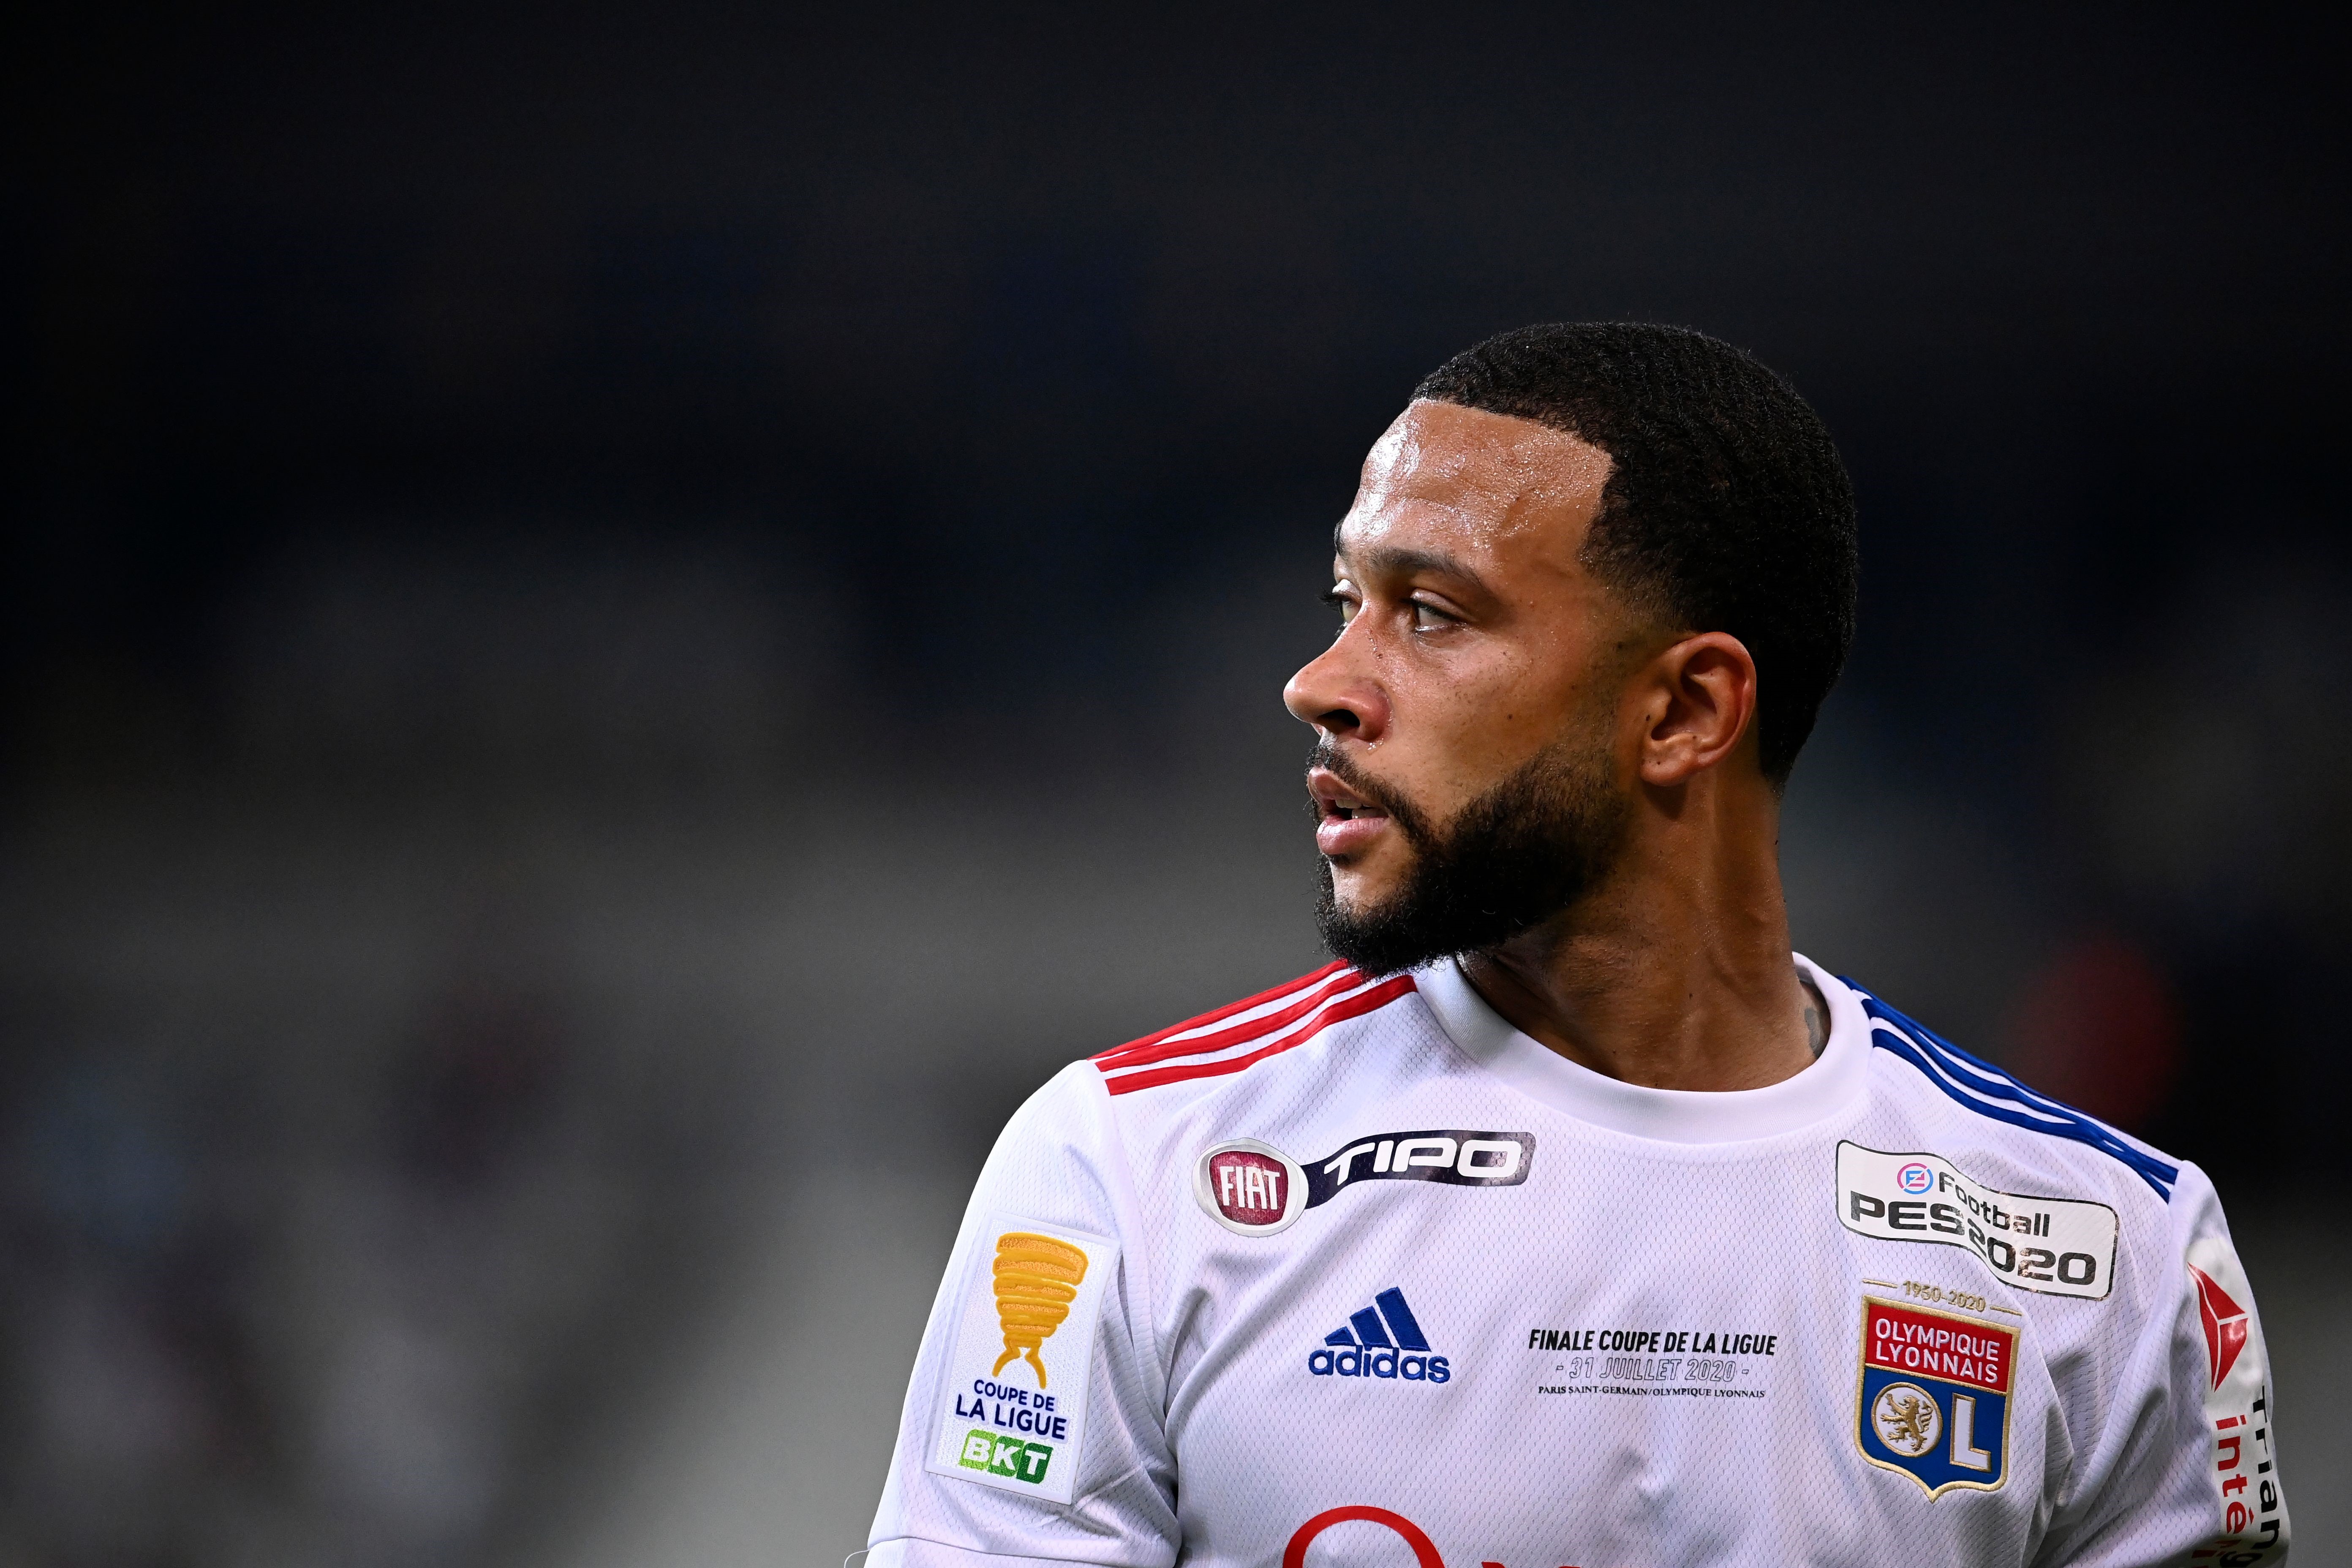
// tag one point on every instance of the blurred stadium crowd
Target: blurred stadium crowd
(618, 634)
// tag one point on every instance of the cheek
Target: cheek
(1502, 709)
(1454, 738)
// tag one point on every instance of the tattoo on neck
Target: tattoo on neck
(1817, 1022)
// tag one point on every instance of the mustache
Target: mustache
(1409, 819)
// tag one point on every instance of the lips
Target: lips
(1346, 823)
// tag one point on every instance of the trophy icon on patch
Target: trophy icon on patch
(1036, 1279)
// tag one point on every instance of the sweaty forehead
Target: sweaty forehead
(1483, 480)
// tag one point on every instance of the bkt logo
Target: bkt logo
(1384, 1340)
(1002, 1455)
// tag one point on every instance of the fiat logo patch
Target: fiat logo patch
(1250, 1188)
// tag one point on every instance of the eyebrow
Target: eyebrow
(1392, 561)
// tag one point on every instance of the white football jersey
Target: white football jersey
(1354, 1272)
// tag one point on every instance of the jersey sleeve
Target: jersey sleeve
(1033, 1424)
(2187, 1470)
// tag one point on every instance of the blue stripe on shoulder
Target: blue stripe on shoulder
(1989, 1092)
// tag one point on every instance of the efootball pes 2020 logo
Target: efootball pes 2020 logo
(1934, 1396)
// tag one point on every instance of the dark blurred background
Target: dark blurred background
(618, 630)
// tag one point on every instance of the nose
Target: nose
(1338, 697)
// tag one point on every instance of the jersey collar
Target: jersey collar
(1833, 1082)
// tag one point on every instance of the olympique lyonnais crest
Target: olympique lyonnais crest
(1934, 1400)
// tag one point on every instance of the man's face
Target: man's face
(1466, 777)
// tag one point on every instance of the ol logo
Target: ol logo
(1915, 1178)
(1932, 1398)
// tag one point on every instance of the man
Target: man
(1567, 1219)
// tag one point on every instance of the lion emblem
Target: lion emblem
(1907, 1418)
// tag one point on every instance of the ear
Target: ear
(1701, 705)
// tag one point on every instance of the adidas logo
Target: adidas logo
(1384, 1340)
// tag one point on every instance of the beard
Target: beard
(1515, 856)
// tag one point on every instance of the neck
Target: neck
(1673, 973)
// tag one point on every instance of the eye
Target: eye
(1342, 597)
(1428, 617)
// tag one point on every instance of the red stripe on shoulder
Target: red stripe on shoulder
(1227, 1011)
(1369, 1000)
(1298, 1005)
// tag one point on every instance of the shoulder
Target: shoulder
(1253, 1038)
(2055, 1201)
(2106, 1233)
(1992, 1109)
(1102, 1114)
(2116, 1265)
(1104, 1145)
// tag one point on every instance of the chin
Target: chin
(1355, 892)
(1359, 900)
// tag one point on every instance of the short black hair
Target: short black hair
(1726, 507)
